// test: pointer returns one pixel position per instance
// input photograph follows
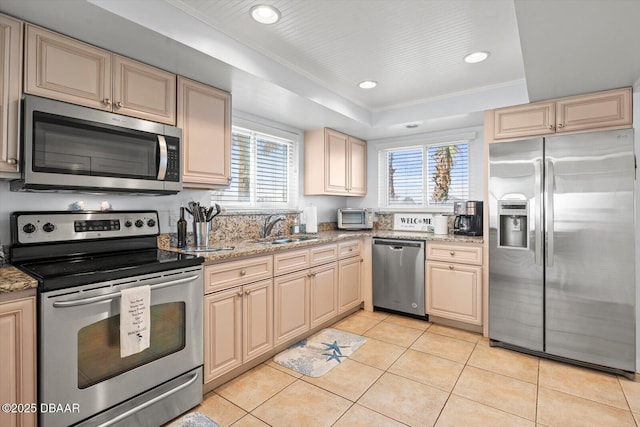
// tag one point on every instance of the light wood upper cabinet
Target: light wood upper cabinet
(335, 164)
(10, 90)
(17, 359)
(143, 91)
(357, 167)
(525, 120)
(204, 115)
(63, 68)
(454, 282)
(595, 111)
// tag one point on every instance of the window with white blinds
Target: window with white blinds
(424, 176)
(263, 172)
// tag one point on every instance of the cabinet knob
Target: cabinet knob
(106, 101)
(239, 293)
(12, 161)
(243, 272)
(452, 253)
(450, 267)
(361, 259)
(560, 125)
(247, 292)
(119, 104)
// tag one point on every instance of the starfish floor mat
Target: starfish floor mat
(318, 354)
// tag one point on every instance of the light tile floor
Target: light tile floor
(411, 372)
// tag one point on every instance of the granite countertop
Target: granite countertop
(12, 279)
(253, 247)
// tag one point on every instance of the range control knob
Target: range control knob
(29, 228)
(139, 223)
(48, 227)
(128, 223)
(151, 222)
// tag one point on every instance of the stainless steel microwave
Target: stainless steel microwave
(355, 219)
(68, 147)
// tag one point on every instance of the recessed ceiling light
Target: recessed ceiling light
(475, 57)
(265, 14)
(367, 84)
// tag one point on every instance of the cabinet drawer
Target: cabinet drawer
(323, 254)
(234, 273)
(349, 248)
(289, 261)
(455, 253)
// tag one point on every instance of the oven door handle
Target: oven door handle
(114, 295)
(148, 403)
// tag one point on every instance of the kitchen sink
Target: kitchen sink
(283, 240)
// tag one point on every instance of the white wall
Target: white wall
(476, 162)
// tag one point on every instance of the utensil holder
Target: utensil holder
(201, 233)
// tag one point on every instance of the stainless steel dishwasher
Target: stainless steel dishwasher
(398, 275)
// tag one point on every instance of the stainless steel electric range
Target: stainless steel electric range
(82, 261)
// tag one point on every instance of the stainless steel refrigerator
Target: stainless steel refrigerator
(562, 247)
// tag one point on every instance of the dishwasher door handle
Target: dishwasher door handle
(396, 248)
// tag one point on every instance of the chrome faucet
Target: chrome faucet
(268, 224)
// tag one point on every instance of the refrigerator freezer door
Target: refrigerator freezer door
(590, 276)
(516, 274)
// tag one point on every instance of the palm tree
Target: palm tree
(444, 158)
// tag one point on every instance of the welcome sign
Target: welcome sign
(413, 222)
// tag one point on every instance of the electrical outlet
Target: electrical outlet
(173, 220)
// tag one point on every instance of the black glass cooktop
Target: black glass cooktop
(82, 270)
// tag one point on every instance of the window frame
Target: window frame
(426, 205)
(256, 130)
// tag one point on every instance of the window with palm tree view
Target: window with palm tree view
(425, 176)
(263, 171)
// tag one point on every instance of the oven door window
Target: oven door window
(77, 147)
(99, 344)
(353, 218)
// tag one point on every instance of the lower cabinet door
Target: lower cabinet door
(291, 305)
(257, 319)
(324, 293)
(17, 360)
(222, 332)
(454, 291)
(349, 277)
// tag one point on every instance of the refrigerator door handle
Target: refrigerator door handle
(550, 185)
(537, 212)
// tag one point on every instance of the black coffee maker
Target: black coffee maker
(468, 220)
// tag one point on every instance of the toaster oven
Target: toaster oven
(355, 219)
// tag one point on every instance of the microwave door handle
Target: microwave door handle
(162, 148)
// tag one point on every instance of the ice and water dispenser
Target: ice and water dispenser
(513, 227)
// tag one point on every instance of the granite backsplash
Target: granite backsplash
(233, 227)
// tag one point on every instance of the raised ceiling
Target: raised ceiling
(303, 70)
